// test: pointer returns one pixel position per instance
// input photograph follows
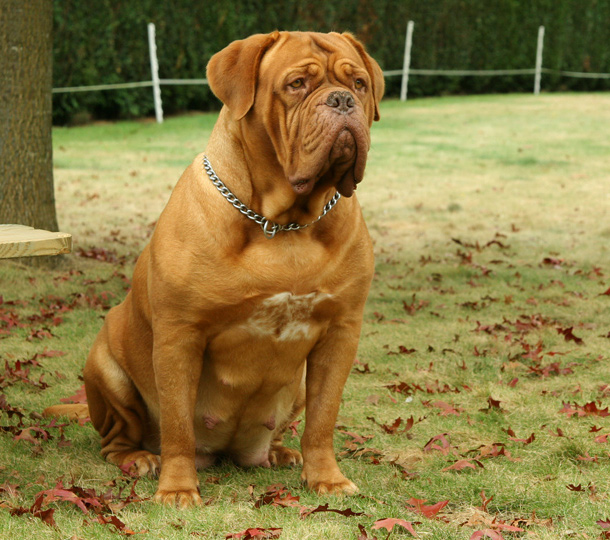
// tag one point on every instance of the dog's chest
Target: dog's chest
(285, 316)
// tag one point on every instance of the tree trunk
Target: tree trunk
(26, 154)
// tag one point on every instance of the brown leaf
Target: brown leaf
(348, 512)
(256, 534)
(569, 335)
(277, 495)
(588, 409)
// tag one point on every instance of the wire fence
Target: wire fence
(156, 82)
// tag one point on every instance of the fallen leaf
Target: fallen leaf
(445, 448)
(255, 534)
(569, 335)
(429, 511)
(389, 523)
(348, 512)
(604, 523)
(462, 464)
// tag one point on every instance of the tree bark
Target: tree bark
(26, 153)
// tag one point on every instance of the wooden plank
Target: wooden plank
(22, 241)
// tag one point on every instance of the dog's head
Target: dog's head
(309, 98)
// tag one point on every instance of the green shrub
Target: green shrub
(109, 44)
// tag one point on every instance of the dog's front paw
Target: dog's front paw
(184, 498)
(333, 483)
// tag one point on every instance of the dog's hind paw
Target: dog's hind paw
(280, 456)
(137, 462)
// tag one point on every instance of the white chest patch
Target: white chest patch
(285, 316)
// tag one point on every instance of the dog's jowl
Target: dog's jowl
(247, 304)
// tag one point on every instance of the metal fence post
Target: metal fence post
(407, 62)
(154, 68)
(539, 60)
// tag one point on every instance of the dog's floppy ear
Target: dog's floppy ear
(373, 68)
(233, 72)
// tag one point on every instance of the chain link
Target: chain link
(270, 228)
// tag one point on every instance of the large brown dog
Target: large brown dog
(236, 321)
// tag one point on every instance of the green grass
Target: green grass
(490, 217)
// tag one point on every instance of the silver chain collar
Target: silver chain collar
(270, 228)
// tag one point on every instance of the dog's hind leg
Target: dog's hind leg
(280, 455)
(118, 411)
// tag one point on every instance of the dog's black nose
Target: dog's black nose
(341, 101)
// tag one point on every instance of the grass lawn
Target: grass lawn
(481, 385)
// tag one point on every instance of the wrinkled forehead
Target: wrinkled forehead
(299, 48)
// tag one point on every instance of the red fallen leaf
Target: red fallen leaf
(494, 450)
(25, 435)
(402, 350)
(588, 409)
(492, 404)
(486, 533)
(364, 370)
(587, 457)
(364, 535)
(277, 495)
(357, 439)
(348, 512)
(392, 429)
(415, 305)
(462, 464)
(607, 293)
(110, 519)
(49, 354)
(293, 428)
(430, 511)
(82, 499)
(604, 523)
(12, 490)
(444, 447)
(253, 534)
(485, 501)
(389, 523)
(446, 408)
(403, 388)
(569, 335)
(46, 516)
(579, 487)
(79, 397)
(513, 437)
(602, 439)
(513, 382)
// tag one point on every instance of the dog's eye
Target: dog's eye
(298, 83)
(359, 84)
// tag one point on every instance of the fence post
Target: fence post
(539, 60)
(407, 62)
(154, 68)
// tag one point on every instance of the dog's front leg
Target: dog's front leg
(328, 367)
(177, 359)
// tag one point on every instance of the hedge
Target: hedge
(106, 42)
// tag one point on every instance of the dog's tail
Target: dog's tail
(74, 411)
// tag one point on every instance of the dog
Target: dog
(247, 304)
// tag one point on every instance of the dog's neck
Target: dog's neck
(258, 179)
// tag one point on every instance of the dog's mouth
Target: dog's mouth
(342, 161)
